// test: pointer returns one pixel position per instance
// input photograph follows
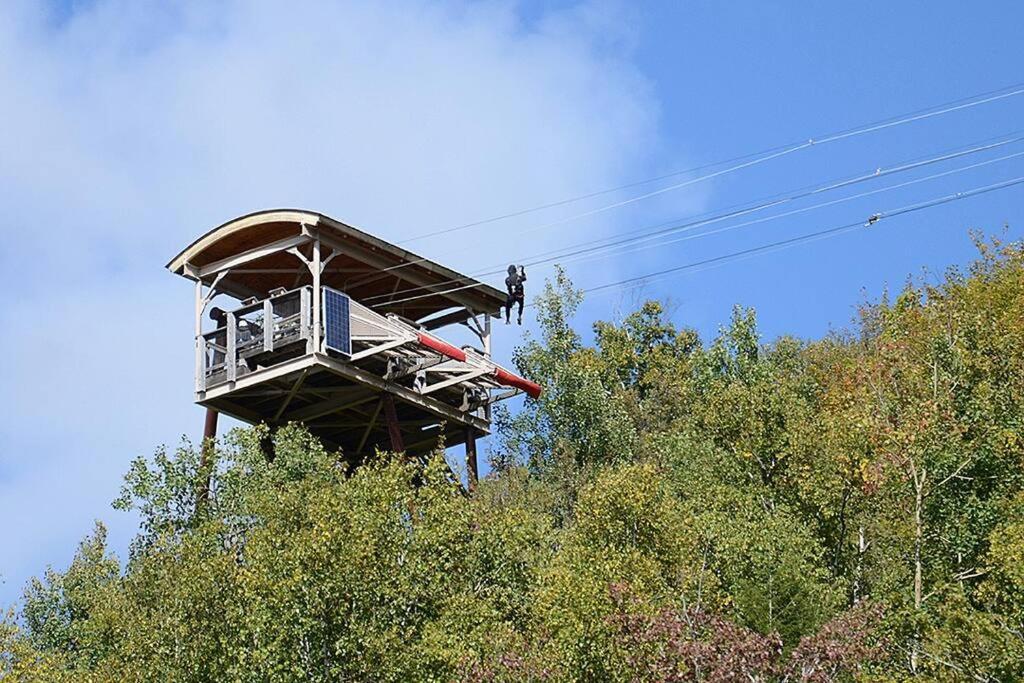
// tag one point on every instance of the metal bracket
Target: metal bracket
(419, 382)
(213, 290)
(403, 366)
(451, 381)
(397, 366)
(380, 348)
(473, 398)
(324, 262)
(476, 327)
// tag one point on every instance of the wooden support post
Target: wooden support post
(305, 310)
(231, 357)
(200, 343)
(486, 336)
(206, 453)
(268, 325)
(486, 409)
(472, 470)
(210, 427)
(316, 267)
(392, 418)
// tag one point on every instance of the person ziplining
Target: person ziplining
(516, 292)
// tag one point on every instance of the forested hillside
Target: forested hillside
(671, 509)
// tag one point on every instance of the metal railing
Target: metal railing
(257, 334)
(267, 332)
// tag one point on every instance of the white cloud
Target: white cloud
(129, 129)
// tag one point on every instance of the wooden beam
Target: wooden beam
(404, 393)
(369, 426)
(377, 261)
(464, 377)
(358, 395)
(256, 377)
(291, 394)
(234, 410)
(459, 316)
(292, 271)
(221, 396)
(252, 255)
(380, 348)
(360, 420)
(313, 423)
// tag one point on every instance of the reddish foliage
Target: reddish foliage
(843, 644)
(676, 646)
(508, 666)
(691, 645)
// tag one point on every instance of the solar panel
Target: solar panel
(337, 329)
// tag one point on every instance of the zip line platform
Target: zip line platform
(321, 329)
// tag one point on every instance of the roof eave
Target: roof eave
(489, 295)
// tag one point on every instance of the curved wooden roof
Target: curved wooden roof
(365, 267)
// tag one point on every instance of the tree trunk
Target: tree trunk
(918, 540)
(919, 483)
(858, 577)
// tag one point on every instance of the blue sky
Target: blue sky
(130, 128)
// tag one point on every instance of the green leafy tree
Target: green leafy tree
(671, 509)
(63, 612)
(580, 420)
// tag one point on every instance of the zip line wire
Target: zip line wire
(794, 195)
(768, 203)
(789, 150)
(606, 250)
(820, 234)
(871, 221)
(774, 153)
(805, 209)
(954, 105)
(608, 207)
(673, 227)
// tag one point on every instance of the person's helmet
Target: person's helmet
(512, 269)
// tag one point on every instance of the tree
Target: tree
(579, 422)
(670, 510)
(62, 612)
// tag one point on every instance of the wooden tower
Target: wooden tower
(337, 329)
